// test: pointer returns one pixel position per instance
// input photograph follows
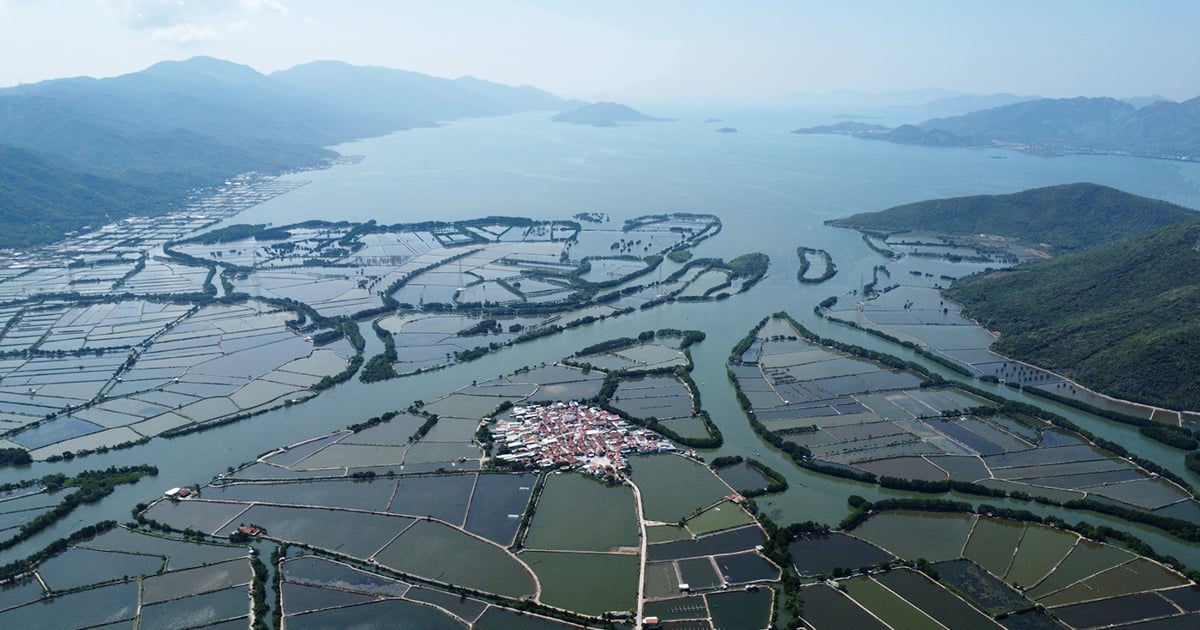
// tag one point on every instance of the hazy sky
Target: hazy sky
(642, 51)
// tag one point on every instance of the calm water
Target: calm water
(772, 189)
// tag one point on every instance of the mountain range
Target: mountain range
(1160, 129)
(80, 149)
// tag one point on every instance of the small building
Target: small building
(172, 493)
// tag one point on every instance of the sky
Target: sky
(642, 51)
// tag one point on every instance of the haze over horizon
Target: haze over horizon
(668, 52)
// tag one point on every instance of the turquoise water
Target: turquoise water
(772, 190)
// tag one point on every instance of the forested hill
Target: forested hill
(1122, 318)
(180, 125)
(1061, 218)
(41, 200)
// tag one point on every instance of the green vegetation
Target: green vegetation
(373, 421)
(43, 199)
(679, 255)
(610, 345)
(482, 327)
(15, 457)
(379, 367)
(90, 485)
(1138, 338)
(1066, 217)
(240, 232)
(258, 591)
(1176, 437)
(725, 461)
(752, 267)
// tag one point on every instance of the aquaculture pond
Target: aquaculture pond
(887, 606)
(444, 554)
(818, 554)
(1003, 567)
(577, 513)
(591, 583)
(847, 410)
(674, 488)
(746, 609)
(341, 593)
(133, 577)
(744, 476)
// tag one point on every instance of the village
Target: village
(571, 436)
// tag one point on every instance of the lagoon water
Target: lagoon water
(772, 190)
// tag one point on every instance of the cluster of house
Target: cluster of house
(574, 437)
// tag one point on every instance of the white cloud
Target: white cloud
(264, 5)
(193, 22)
(184, 35)
(157, 14)
(154, 15)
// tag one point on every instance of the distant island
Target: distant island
(904, 134)
(713, 120)
(1159, 129)
(604, 115)
(848, 128)
(727, 130)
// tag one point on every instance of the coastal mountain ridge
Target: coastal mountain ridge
(1161, 129)
(181, 125)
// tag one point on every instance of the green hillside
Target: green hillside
(1121, 318)
(1062, 218)
(139, 143)
(42, 200)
